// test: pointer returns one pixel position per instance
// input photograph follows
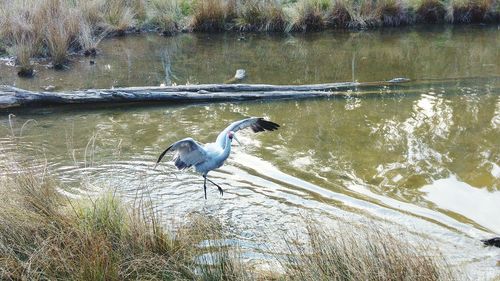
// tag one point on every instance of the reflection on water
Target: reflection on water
(417, 53)
(426, 162)
(478, 205)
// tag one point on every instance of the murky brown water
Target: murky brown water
(425, 158)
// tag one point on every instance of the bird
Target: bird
(211, 156)
(495, 241)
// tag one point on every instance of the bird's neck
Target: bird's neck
(227, 149)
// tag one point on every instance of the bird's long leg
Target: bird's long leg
(205, 186)
(218, 186)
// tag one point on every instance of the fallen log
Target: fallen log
(11, 97)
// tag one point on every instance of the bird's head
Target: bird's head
(231, 135)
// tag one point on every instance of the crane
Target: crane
(211, 156)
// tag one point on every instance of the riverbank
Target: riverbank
(56, 28)
(45, 234)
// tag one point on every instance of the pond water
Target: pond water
(423, 158)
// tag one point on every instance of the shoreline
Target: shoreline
(57, 28)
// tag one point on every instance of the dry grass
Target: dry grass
(261, 15)
(430, 11)
(361, 254)
(89, 39)
(20, 30)
(209, 15)
(308, 15)
(338, 16)
(47, 236)
(24, 50)
(118, 16)
(364, 15)
(165, 15)
(393, 13)
(472, 11)
(61, 28)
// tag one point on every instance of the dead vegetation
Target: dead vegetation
(367, 253)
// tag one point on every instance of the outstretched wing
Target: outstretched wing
(257, 124)
(188, 153)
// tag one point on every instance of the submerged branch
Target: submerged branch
(11, 97)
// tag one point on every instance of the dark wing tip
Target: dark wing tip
(492, 242)
(264, 125)
(162, 154)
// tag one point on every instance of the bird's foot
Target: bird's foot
(220, 191)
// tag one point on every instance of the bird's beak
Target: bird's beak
(234, 137)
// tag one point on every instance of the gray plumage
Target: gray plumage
(211, 156)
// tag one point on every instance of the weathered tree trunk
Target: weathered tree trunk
(11, 97)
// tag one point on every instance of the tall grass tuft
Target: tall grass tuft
(209, 15)
(118, 16)
(58, 41)
(308, 15)
(365, 14)
(261, 15)
(92, 12)
(430, 11)
(338, 15)
(393, 13)
(366, 254)
(472, 11)
(22, 31)
(61, 29)
(23, 47)
(140, 9)
(89, 39)
(166, 15)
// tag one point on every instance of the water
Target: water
(422, 159)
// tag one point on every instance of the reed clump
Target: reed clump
(166, 15)
(361, 254)
(394, 13)
(44, 235)
(209, 15)
(261, 15)
(119, 16)
(430, 11)
(473, 11)
(339, 14)
(308, 15)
